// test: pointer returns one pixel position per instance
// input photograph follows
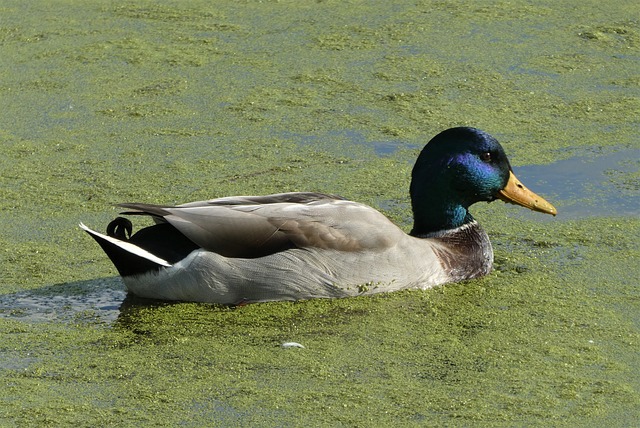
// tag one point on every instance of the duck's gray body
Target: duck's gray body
(295, 246)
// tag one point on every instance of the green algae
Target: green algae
(542, 340)
(164, 102)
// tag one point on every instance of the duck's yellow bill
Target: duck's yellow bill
(515, 193)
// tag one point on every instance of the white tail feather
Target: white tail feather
(131, 248)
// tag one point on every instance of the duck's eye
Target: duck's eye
(486, 157)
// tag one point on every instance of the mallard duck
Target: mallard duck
(293, 246)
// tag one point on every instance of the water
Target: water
(169, 102)
(589, 185)
(96, 300)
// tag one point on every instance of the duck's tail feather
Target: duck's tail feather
(128, 258)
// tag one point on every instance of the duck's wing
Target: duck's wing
(254, 226)
(291, 197)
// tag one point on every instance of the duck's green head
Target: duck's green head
(457, 168)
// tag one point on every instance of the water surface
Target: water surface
(170, 102)
(595, 184)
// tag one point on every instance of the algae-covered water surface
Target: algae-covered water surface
(169, 102)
